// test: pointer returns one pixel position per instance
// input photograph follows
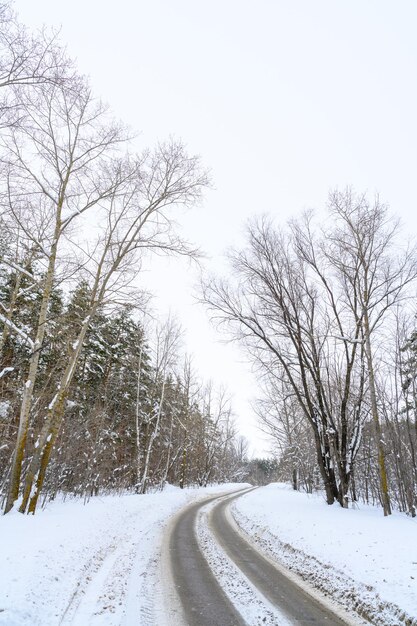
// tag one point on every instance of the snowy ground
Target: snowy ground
(92, 565)
(100, 564)
(356, 556)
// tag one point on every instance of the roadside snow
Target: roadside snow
(94, 564)
(363, 560)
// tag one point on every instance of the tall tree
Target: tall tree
(134, 219)
(363, 247)
(56, 164)
(289, 318)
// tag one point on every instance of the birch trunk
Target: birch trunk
(28, 389)
(168, 461)
(36, 471)
(144, 477)
(183, 463)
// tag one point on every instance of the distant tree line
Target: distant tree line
(262, 471)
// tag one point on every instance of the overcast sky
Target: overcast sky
(283, 100)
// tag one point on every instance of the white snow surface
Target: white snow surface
(93, 564)
(99, 564)
(4, 407)
(356, 556)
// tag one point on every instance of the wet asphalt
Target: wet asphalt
(203, 601)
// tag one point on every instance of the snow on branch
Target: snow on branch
(18, 268)
(5, 371)
(18, 331)
(347, 339)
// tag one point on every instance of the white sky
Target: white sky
(283, 100)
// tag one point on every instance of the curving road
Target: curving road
(202, 599)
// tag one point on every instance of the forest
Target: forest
(97, 396)
(89, 400)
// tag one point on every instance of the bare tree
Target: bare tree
(191, 390)
(308, 303)
(282, 420)
(363, 247)
(135, 219)
(27, 60)
(405, 369)
(215, 434)
(56, 165)
(286, 312)
(166, 350)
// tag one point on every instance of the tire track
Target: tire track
(280, 590)
(203, 601)
(255, 608)
(238, 567)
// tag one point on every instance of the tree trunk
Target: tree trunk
(27, 395)
(50, 429)
(144, 478)
(183, 464)
(295, 479)
(326, 471)
(138, 424)
(375, 416)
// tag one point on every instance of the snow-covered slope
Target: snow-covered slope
(87, 565)
(363, 560)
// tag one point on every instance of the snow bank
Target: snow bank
(92, 564)
(364, 560)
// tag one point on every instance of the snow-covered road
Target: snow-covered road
(201, 597)
(108, 563)
(223, 580)
(97, 564)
